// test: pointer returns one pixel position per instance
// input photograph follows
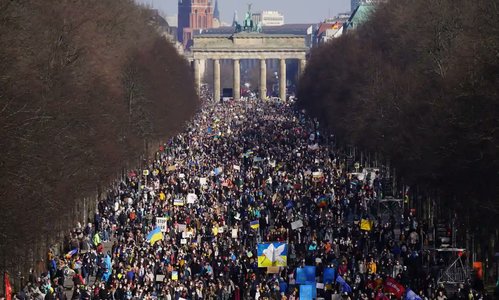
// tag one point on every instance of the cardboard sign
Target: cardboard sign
(297, 224)
(182, 227)
(234, 233)
(272, 270)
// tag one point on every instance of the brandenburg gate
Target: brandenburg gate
(247, 45)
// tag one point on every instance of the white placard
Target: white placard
(203, 181)
(182, 227)
(183, 241)
(319, 285)
(237, 168)
(317, 174)
(192, 198)
(234, 233)
(186, 234)
(161, 223)
(296, 224)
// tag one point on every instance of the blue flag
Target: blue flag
(328, 276)
(305, 275)
(283, 286)
(308, 292)
(345, 288)
(410, 295)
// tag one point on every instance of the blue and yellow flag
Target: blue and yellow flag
(248, 153)
(154, 236)
(71, 253)
(272, 254)
(255, 224)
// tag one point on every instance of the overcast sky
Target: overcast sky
(295, 11)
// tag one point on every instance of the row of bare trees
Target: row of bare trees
(419, 83)
(84, 85)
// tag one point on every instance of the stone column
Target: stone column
(216, 80)
(197, 76)
(282, 80)
(302, 65)
(263, 79)
(237, 80)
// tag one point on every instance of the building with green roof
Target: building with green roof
(359, 16)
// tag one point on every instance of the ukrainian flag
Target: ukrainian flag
(247, 153)
(154, 236)
(273, 254)
(255, 224)
(71, 253)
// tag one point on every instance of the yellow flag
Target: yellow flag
(366, 225)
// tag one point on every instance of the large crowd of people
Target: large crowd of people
(237, 163)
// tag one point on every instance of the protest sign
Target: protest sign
(296, 224)
(308, 292)
(272, 254)
(305, 275)
(181, 227)
(161, 223)
(192, 198)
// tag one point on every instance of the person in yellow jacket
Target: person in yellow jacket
(371, 267)
(96, 239)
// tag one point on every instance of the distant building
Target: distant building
(172, 21)
(216, 12)
(166, 29)
(359, 16)
(192, 15)
(331, 28)
(268, 18)
(355, 3)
